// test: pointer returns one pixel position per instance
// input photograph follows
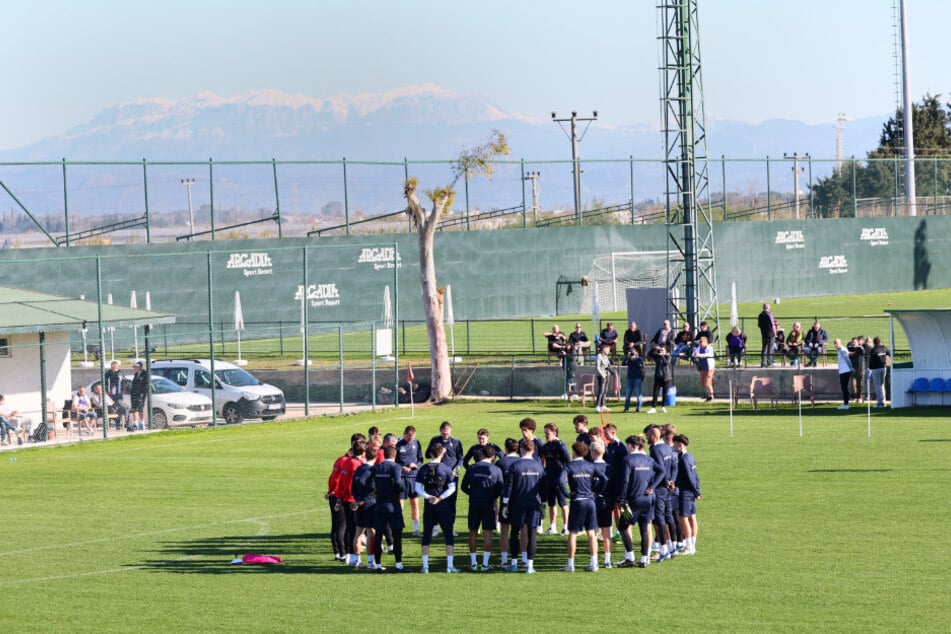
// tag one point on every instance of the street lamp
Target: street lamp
(188, 182)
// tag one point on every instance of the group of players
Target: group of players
(647, 481)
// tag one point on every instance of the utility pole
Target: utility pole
(533, 176)
(575, 139)
(188, 182)
(796, 170)
(839, 151)
(907, 111)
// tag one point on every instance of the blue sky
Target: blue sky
(64, 61)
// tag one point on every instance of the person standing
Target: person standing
(475, 451)
(138, 395)
(436, 484)
(343, 492)
(409, 455)
(388, 483)
(635, 378)
(555, 458)
(878, 366)
(115, 384)
(857, 353)
(704, 356)
(581, 428)
(639, 479)
(521, 502)
(662, 378)
(452, 459)
(606, 374)
(688, 483)
(845, 372)
(483, 484)
(583, 481)
(504, 464)
(767, 329)
(663, 455)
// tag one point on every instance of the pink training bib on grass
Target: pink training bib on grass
(261, 559)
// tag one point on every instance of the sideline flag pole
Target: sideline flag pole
(410, 378)
(800, 414)
(868, 403)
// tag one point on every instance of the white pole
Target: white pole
(868, 402)
(730, 383)
(614, 280)
(112, 333)
(909, 130)
(800, 414)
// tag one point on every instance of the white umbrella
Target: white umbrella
(734, 311)
(384, 336)
(595, 308)
(451, 320)
(134, 303)
(238, 325)
(85, 362)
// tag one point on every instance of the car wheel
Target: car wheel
(159, 420)
(267, 418)
(231, 414)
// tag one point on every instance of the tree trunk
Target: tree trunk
(433, 309)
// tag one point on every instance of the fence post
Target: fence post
(277, 200)
(211, 190)
(211, 340)
(280, 334)
(854, 201)
(65, 210)
(303, 333)
(723, 177)
(524, 204)
(466, 183)
(532, 322)
(340, 349)
(769, 203)
(373, 366)
(468, 339)
(631, 159)
(145, 189)
(346, 197)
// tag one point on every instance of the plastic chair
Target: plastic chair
(762, 387)
(802, 387)
(587, 391)
(920, 385)
(936, 386)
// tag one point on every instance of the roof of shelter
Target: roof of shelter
(929, 335)
(23, 311)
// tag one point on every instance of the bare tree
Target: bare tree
(477, 161)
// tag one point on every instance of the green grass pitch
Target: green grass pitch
(832, 531)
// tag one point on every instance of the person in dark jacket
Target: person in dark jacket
(767, 328)
(138, 395)
(635, 378)
(662, 378)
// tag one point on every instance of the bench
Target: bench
(922, 385)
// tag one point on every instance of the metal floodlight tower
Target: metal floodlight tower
(689, 223)
(575, 139)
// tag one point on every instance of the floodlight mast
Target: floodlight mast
(188, 182)
(576, 166)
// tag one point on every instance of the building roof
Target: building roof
(929, 336)
(23, 311)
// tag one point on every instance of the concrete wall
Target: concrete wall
(20, 372)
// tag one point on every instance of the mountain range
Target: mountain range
(424, 122)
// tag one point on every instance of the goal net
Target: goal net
(610, 275)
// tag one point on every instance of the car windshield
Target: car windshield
(161, 385)
(236, 378)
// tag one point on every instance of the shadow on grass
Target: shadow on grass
(850, 471)
(935, 440)
(302, 553)
(307, 554)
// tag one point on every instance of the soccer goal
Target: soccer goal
(611, 275)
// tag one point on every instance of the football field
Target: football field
(831, 531)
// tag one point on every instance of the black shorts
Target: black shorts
(555, 493)
(365, 516)
(388, 514)
(482, 516)
(439, 515)
(605, 513)
(642, 510)
(582, 516)
(520, 516)
(138, 402)
(687, 504)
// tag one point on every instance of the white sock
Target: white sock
(486, 555)
(594, 561)
(663, 548)
(425, 561)
(525, 557)
(505, 558)
(472, 559)
(399, 565)
(644, 559)
(607, 558)
(629, 555)
(571, 562)
(530, 564)
(449, 559)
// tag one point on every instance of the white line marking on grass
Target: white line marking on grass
(247, 520)
(263, 529)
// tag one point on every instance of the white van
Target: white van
(237, 394)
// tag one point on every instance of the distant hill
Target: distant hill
(417, 122)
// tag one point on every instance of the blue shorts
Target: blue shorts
(520, 516)
(365, 515)
(554, 493)
(388, 514)
(582, 516)
(661, 508)
(439, 515)
(642, 510)
(482, 516)
(687, 504)
(605, 513)
(409, 487)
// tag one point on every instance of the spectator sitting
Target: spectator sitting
(736, 346)
(779, 341)
(794, 344)
(82, 408)
(815, 343)
(633, 340)
(683, 343)
(96, 399)
(556, 341)
(704, 331)
(578, 340)
(609, 338)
